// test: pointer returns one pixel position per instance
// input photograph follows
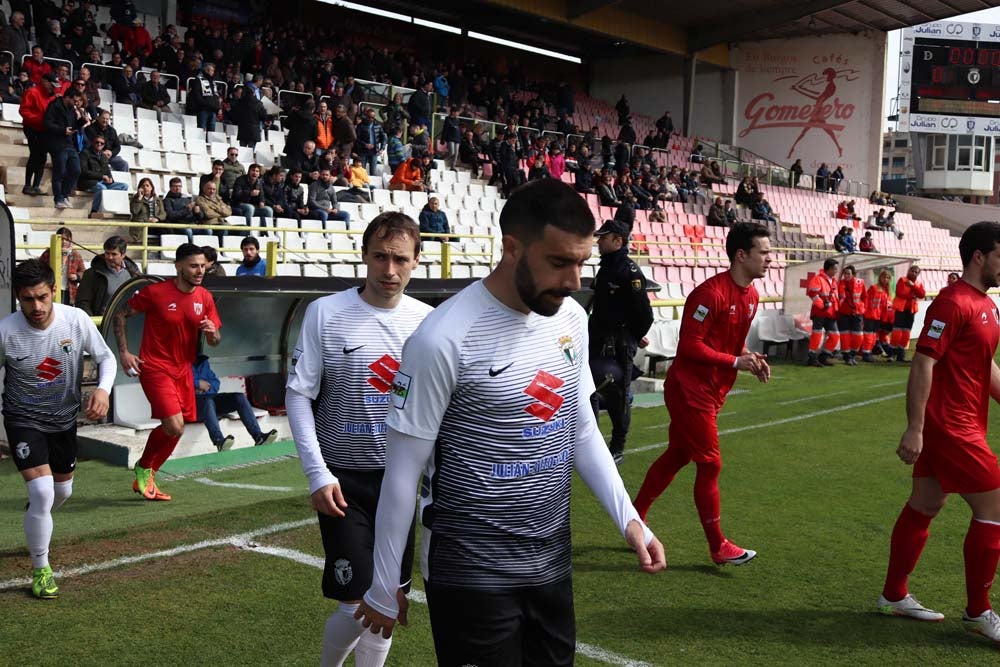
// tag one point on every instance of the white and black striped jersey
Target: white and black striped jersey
(498, 392)
(345, 359)
(44, 367)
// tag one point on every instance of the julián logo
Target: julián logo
(825, 113)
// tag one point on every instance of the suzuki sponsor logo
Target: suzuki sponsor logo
(542, 389)
(49, 369)
(384, 370)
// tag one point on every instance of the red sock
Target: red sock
(659, 476)
(706, 499)
(158, 449)
(982, 553)
(908, 539)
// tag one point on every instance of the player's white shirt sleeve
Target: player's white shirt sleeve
(97, 348)
(301, 389)
(405, 458)
(594, 462)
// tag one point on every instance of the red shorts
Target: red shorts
(959, 467)
(695, 431)
(169, 395)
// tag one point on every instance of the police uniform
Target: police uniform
(621, 316)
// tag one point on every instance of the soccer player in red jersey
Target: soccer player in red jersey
(947, 404)
(822, 290)
(876, 303)
(712, 348)
(851, 294)
(909, 291)
(177, 312)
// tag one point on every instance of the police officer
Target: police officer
(619, 321)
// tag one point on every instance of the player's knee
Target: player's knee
(41, 494)
(710, 469)
(927, 506)
(62, 493)
(173, 429)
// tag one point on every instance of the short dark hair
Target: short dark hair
(116, 243)
(741, 236)
(210, 254)
(292, 172)
(982, 236)
(219, 163)
(186, 250)
(389, 224)
(250, 240)
(65, 231)
(548, 201)
(174, 180)
(830, 263)
(32, 272)
(848, 267)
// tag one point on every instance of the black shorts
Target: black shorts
(503, 628)
(886, 327)
(828, 324)
(31, 448)
(902, 320)
(872, 326)
(850, 323)
(350, 541)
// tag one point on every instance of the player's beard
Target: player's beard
(529, 294)
(989, 278)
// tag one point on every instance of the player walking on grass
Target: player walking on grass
(493, 395)
(41, 349)
(347, 354)
(712, 348)
(177, 312)
(951, 381)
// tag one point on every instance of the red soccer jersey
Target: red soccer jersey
(876, 303)
(717, 317)
(961, 330)
(170, 334)
(852, 296)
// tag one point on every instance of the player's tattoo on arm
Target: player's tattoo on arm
(121, 334)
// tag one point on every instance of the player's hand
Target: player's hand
(748, 362)
(643, 342)
(374, 621)
(763, 370)
(329, 500)
(651, 556)
(404, 606)
(97, 405)
(910, 446)
(130, 363)
(207, 327)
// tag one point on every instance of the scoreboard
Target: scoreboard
(949, 78)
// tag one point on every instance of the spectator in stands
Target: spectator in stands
(126, 86)
(585, 179)
(72, 266)
(952, 278)
(210, 404)
(10, 87)
(606, 194)
(154, 94)
(850, 244)
(179, 208)
(665, 123)
(538, 169)
(295, 194)
(253, 264)
(232, 169)
(434, 221)
(212, 209)
(420, 141)
(95, 173)
(359, 179)
(394, 115)
(839, 243)
(627, 133)
(91, 92)
(745, 192)
(340, 97)
(623, 109)
(51, 40)
(697, 155)
(248, 197)
(301, 126)
(274, 194)
(247, 112)
(146, 206)
(344, 134)
(730, 212)
(408, 176)
(63, 81)
(509, 163)
(795, 172)
(468, 152)
(14, 38)
(36, 66)
(835, 178)
(890, 225)
(36, 100)
(877, 221)
(204, 99)
(711, 174)
(212, 265)
(63, 125)
(867, 243)
(371, 140)
(107, 272)
(761, 209)
(658, 216)
(102, 127)
(717, 214)
(323, 202)
(421, 104)
(324, 127)
(822, 178)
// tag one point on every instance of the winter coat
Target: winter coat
(93, 291)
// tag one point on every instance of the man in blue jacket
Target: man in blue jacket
(210, 403)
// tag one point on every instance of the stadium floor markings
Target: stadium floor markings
(812, 398)
(779, 422)
(584, 649)
(886, 384)
(250, 487)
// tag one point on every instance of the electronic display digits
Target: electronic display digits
(956, 70)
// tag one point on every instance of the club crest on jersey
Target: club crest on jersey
(700, 313)
(67, 345)
(400, 390)
(198, 308)
(568, 349)
(342, 571)
(22, 450)
(937, 328)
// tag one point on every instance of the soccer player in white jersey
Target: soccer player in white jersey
(41, 349)
(337, 397)
(493, 398)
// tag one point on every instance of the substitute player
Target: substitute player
(711, 349)
(347, 354)
(41, 349)
(876, 303)
(851, 313)
(947, 404)
(177, 312)
(909, 291)
(822, 290)
(494, 396)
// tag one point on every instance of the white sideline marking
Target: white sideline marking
(778, 422)
(589, 650)
(232, 485)
(886, 384)
(812, 398)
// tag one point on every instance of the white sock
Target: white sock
(340, 635)
(63, 491)
(38, 520)
(372, 650)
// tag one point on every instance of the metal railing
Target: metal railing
(49, 59)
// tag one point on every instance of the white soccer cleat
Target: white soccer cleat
(909, 607)
(986, 624)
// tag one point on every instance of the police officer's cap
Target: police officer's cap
(613, 227)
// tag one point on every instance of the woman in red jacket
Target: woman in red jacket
(33, 105)
(876, 307)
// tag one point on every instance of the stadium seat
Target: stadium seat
(177, 163)
(169, 243)
(287, 269)
(315, 271)
(342, 271)
(116, 202)
(131, 408)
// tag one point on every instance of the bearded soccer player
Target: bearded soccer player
(347, 354)
(711, 349)
(851, 314)
(951, 382)
(177, 312)
(909, 291)
(41, 349)
(876, 303)
(493, 398)
(822, 290)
